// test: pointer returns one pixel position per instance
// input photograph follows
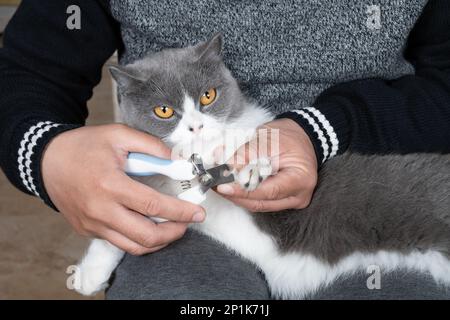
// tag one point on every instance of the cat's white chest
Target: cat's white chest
(234, 227)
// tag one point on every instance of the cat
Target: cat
(392, 211)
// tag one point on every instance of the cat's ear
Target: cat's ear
(123, 77)
(211, 49)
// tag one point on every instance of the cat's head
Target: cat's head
(179, 94)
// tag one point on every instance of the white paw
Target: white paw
(254, 173)
(90, 280)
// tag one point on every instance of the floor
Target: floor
(5, 14)
(36, 244)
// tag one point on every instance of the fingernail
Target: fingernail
(225, 189)
(198, 217)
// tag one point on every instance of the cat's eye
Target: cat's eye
(164, 112)
(208, 97)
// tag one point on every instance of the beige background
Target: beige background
(36, 244)
(9, 2)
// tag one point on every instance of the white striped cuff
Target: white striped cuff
(28, 143)
(328, 139)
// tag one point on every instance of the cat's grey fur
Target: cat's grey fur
(156, 81)
(370, 203)
(362, 203)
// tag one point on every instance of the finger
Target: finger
(142, 230)
(132, 140)
(282, 185)
(126, 244)
(145, 200)
(269, 205)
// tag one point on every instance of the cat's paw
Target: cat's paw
(90, 280)
(254, 173)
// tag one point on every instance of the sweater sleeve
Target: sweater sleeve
(47, 74)
(378, 116)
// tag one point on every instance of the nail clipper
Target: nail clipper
(195, 180)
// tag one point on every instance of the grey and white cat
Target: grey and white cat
(391, 211)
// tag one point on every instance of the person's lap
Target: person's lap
(197, 267)
(194, 267)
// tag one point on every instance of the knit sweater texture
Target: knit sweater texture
(285, 52)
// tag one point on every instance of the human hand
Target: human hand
(83, 174)
(295, 165)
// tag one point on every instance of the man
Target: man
(342, 75)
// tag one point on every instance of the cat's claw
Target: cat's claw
(254, 173)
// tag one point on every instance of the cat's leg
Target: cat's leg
(95, 269)
(254, 173)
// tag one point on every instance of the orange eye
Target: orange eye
(208, 97)
(164, 112)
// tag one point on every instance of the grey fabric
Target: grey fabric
(285, 52)
(195, 267)
(398, 285)
(198, 268)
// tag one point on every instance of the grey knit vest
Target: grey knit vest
(284, 53)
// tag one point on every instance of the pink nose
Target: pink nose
(196, 128)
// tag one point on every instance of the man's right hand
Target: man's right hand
(83, 174)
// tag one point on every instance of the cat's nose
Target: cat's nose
(196, 128)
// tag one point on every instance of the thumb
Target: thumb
(137, 141)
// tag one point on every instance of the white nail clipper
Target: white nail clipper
(196, 180)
